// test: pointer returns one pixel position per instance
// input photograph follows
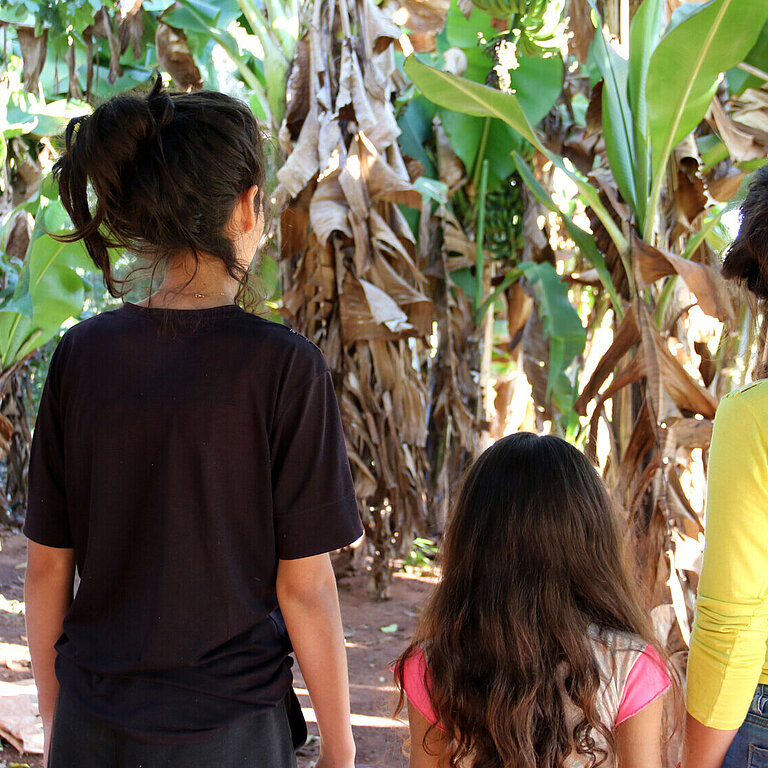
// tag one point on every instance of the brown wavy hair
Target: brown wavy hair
(158, 174)
(531, 558)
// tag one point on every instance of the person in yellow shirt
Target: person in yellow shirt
(727, 689)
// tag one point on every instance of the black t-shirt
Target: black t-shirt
(181, 453)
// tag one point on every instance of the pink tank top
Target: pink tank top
(633, 675)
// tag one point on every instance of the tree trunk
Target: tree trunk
(352, 281)
(15, 410)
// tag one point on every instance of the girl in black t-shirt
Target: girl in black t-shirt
(189, 462)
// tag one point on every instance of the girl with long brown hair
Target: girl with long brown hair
(534, 650)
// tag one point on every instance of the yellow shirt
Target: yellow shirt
(729, 644)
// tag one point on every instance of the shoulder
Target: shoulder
(108, 321)
(749, 398)
(625, 650)
(615, 653)
(289, 351)
(739, 421)
(279, 334)
(633, 672)
(415, 679)
(85, 330)
(616, 641)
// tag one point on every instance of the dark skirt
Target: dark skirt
(263, 740)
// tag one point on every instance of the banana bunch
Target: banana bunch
(504, 209)
(504, 9)
(543, 31)
(541, 23)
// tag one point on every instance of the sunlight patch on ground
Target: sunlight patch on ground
(423, 578)
(13, 652)
(15, 657)
(11, 606)
(385, 686)
(358, 721)
(348, 644)
(361, 686)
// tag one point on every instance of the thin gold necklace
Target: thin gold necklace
(196, 294)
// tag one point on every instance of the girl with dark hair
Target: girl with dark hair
(534, 649)
(727, 685)
(189, 463)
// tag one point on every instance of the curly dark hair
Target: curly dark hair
(746, 259)
(532, 559)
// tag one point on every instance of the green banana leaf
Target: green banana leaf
(618, 130)
(538, 84)
(463, 32)
(702, 41)
(194, 16)
(50, 289)
(462, 95)
(470, 98)
(645, 34)
(584, 240)
(204, 22)
(738, 80)
(28, 114)
(465, 136)
(562, 325)
(415, 122)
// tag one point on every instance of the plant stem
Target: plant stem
(754, 71)
(479, 237)
(479, 162)
(653, 204)
(262, 28)
(512, 276)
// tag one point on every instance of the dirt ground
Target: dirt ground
(370, 652)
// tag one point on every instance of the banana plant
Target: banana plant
(649, 102)
(654, 407)
(482, 204)
(47, 287)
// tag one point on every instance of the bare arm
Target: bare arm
(47, 594)
(704, 747)
(638, 738)
(306, 591)
(420, 727)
